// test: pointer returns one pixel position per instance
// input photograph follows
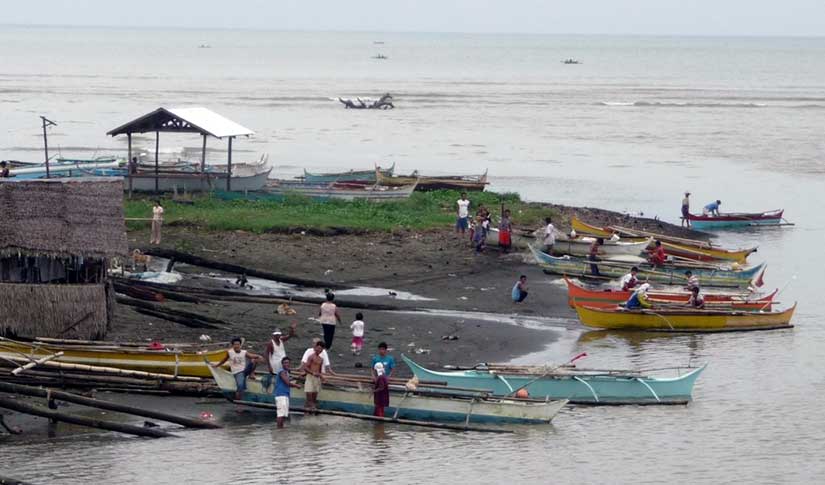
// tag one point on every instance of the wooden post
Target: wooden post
(157, 168)
(203, 155)
(46, 123)
(129, 163)
(229, 167)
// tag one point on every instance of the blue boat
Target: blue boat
(579, 386)
(733, 220)
(419, 406)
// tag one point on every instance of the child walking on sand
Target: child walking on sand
(357, 333)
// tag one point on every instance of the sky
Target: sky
(642, 17)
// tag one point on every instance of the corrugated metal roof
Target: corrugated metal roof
(194, 120)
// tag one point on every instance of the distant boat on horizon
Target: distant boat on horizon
(380, 56)
(571, 61)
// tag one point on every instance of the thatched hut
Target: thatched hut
(57, 237)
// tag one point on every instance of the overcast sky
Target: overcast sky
(667, 17)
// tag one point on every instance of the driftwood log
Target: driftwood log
(189, 319)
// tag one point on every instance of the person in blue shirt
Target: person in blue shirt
(712, 208)
(519, 292)
(282, 393)
(384, 358)
(639, 300)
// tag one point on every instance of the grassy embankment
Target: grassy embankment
(422, 211)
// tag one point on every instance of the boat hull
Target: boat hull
(145, 182)
(700, 222)
(350, 176)
(683, 321)
(329, 191)
(610, 298)
(406, 405)
(586, 389)
(424, 184)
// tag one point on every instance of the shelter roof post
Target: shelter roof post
(229, 166)
(157, 167)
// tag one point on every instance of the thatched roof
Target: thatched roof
(57, 311)
(63, 217)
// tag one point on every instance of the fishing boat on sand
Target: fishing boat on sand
(178, 359)
(422, 405)
(367, 176)
(573, 247)
(340, 190)
(580, 386)
(668, 274)
(467, 183)
(579, 295)
(684, 320)
(681, 247)
(736, 219)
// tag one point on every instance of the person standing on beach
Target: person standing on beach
(381, 393)
(462, 214)
(157, 220)
(384, 359)
(519, 292)
(686, 210)
(594, 255)
(357, 333)
(505, 228)
(549, 236)
(312, 381)
(478, 234)
(282, 392)
(241, 364)
(329, 318)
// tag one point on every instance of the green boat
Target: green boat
(367, 176)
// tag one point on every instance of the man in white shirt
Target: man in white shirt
(326, 369)
(462, 214)
(549, 236)
(629, 281)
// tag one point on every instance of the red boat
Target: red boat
(736, 219)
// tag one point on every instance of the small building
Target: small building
(57, 238)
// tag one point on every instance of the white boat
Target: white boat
(342, 191)
(575, 247)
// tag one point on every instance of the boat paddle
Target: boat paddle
(549, 371)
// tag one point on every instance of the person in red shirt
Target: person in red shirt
(594, 255)
(658, 257)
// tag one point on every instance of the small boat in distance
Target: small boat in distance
(454, 182)
(736, 219)
(380, 56)
(367, 176)
(571, 61)
(340, 190)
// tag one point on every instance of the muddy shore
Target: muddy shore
(467, 294)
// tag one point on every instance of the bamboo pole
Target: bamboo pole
(96, 403)
(82, 421)
(367, 417)
(106, 370)
(35, 363)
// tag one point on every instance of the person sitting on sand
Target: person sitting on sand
(312, 380)
(658, 256)
(381, 393)
(712, 209)
(630, 281)
(241, 364)
(519, 292)
(639, 298)
(696, 299)
(384, 359)
(282, 392)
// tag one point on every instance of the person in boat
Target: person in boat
(686, 210)
(157, 221)
(381, 392)
(276, 350)
(282, 392)
(462, 214)
(549, 236)
(658, 257)
(696, 299)
(593, 255)
(327, 368)
(505, 228)
(241, 364)
(384, 359)
(4, 169)
(692, 280)
(639, 298)
(313, 369)
(519, 292)
(329, 317)
(712, 209)
(630, 281)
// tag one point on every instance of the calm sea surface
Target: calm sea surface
(638, 122)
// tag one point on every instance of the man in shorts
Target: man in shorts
(282, 388)
(241, 364)
(462, 214)
(312, 383)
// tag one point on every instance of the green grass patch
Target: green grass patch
(423, 210)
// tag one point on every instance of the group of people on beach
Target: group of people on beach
(479, 226)
(315, 367)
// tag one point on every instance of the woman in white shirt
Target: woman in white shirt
(329, 317)
(157, 220)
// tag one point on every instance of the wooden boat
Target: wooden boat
(683, 320)
(578, 295)
(668, 274)
(340, 190)
(736, 219)
(459, 182)
(684, 248)
(580, 386)
(423, 406)
(62, 170)
(182, 360)
(350, 176)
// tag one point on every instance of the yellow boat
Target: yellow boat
(686, 320)
(188, 362)
(684, 248)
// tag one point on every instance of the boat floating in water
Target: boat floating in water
(580, 386)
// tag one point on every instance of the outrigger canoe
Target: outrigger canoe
(349, 176)
(580, 386)
(683, 320)
(736, 219)
(457, 182)
(422, 406)
(188, 362)
(668, 274)
(683, 248)
(578, 295)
